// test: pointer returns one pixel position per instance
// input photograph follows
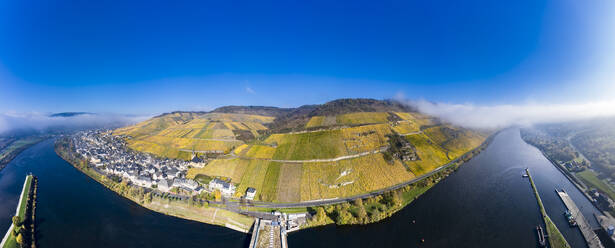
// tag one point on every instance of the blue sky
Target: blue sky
(156, 56)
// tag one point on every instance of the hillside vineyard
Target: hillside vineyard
(338, 149)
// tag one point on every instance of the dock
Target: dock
(588, 233)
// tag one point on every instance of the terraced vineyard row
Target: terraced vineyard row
(176, 135)
(293, 182)
(358, 118)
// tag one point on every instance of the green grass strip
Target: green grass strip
(556, 239)
(11, 242)
(590, 178)
(24, 197)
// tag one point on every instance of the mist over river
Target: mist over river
(486, 203)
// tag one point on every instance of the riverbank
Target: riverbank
(381, 204)
(70, 202)
(578, 183)
(487, 194)
(12, 150)
(555, 237)
(377, 206)
(25, 217)
(189, 208)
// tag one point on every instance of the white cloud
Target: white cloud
(250, 90)
(497, 116)
(40, 121)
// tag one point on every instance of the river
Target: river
(76, 211)
(486, 203)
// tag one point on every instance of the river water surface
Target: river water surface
(486, 203)
(75, 211)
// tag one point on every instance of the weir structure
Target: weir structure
(271, 229)
(268, 234)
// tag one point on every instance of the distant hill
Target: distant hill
(299, 117)
(294, 119)
(337, 149)
(70, 114)
(344, 106)
(253, 110)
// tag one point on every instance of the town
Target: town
(109, 155)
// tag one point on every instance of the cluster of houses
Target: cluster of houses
(405, 151)
(408, 152)
(109, 155)
(575, 166)
(602, 200)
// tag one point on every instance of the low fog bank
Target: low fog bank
(40, 122)
(500, 116)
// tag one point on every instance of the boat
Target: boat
(541, 236)
(571, 220)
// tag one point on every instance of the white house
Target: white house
(225, 188)
(109, 169)
(94, 160)
(185, 183)
(196, 162)
(143, 181)
(163, 185)
(250, 193)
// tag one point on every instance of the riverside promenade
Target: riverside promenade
(588, 233)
